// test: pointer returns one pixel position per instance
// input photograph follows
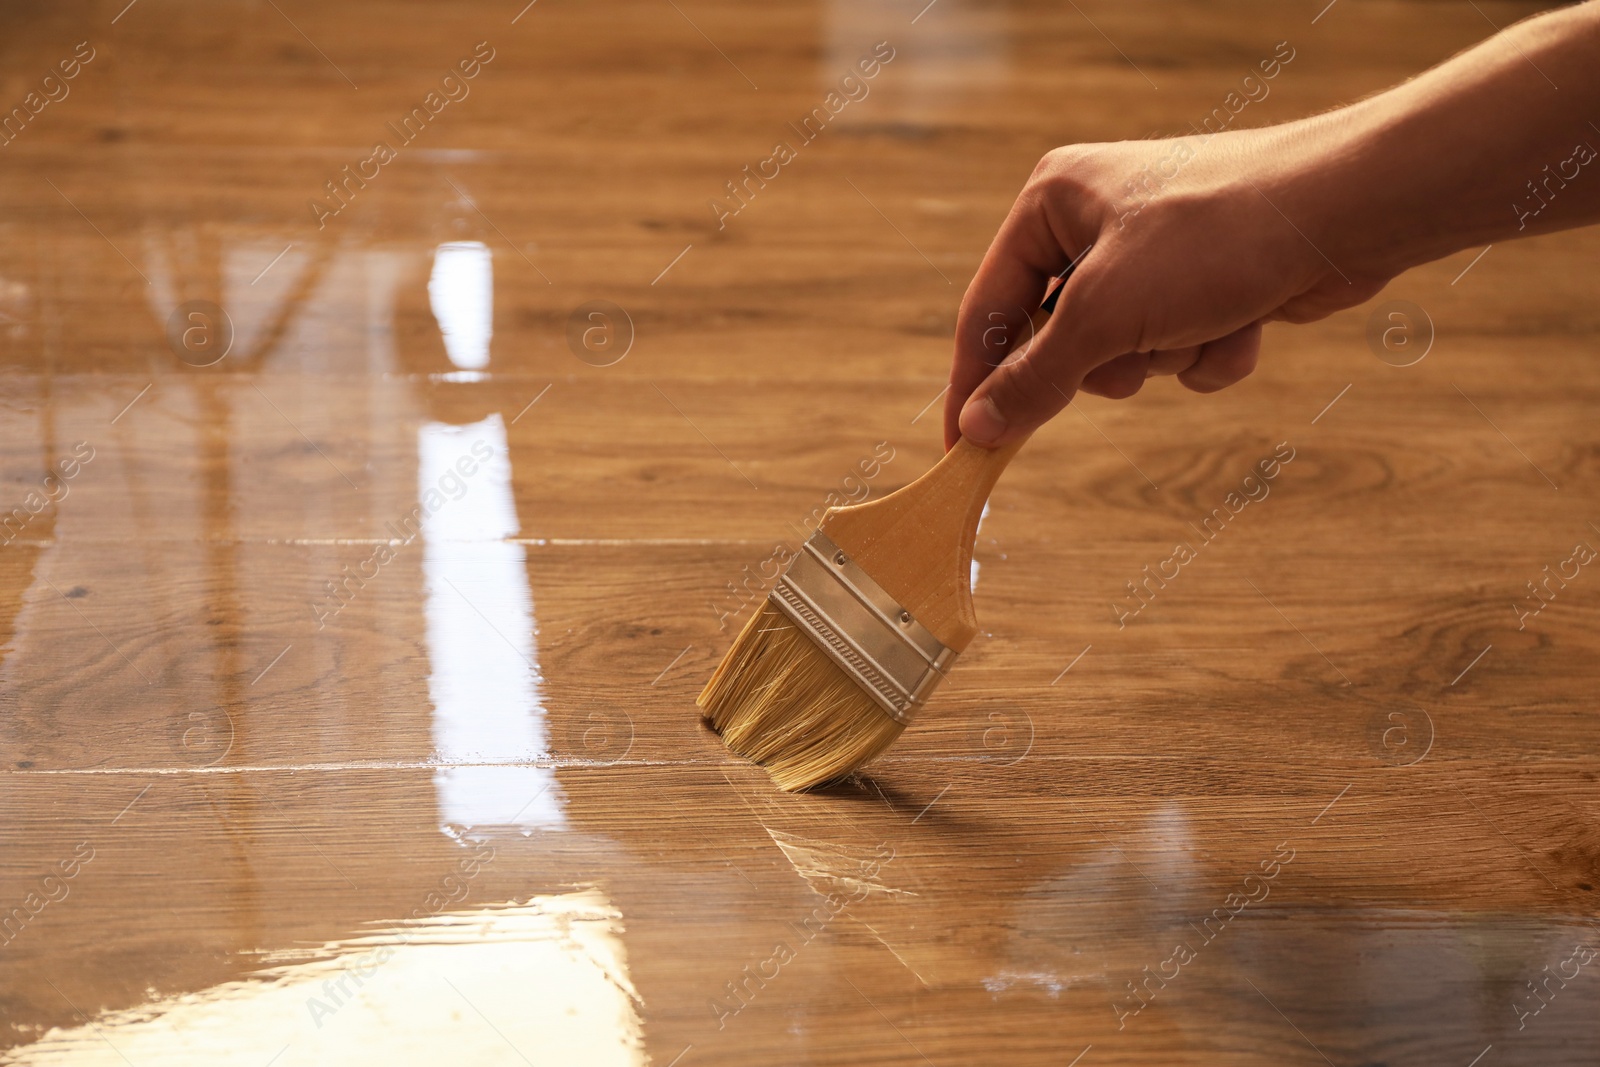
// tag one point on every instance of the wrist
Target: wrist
(1372, 192)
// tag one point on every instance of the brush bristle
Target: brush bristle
(777, 699)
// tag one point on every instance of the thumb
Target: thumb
(1013, 401)
(1032, 385)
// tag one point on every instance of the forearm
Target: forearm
(1184, 248)
(1499, 142)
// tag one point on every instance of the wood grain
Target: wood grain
(1339, 758)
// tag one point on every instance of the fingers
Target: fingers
(1031, 386)
(976, 358)
(995, 312)
(1012, 401)
(1024, 392)
(1224, 361)
(1172, 360)
(1119, 378)
(1090, 342)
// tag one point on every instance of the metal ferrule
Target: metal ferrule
(861, 628)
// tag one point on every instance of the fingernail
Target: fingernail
(981, 422)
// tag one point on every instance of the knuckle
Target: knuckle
(1047, 165)
(1064, 157)
(1067, 165)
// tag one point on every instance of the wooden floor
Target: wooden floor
(1328, 795)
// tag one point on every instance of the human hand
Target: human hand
(1187, 246)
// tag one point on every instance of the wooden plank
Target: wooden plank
(1337, 756)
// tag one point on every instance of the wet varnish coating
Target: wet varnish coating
(348, 680)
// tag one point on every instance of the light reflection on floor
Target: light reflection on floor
(484, 679)
(544, 981)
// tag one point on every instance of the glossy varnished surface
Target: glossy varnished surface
(472, 816)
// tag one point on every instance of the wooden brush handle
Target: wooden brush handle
(917, 542)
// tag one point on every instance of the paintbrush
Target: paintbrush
(864, 623)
